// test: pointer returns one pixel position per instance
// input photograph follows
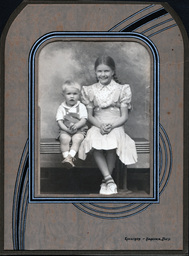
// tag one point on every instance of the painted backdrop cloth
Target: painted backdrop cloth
(106, 102)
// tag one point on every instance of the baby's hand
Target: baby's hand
(71, 124)
(72, 131)
(73, 128)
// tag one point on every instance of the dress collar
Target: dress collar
(108, 86)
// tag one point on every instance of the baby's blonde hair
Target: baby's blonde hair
(70, 84)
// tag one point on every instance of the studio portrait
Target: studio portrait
(94, 118)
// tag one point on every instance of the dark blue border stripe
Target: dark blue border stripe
(156, 25)
(16, 197)
(166, 159)
(111, 213)
(161, 159)
(23, 212)
(112, 208)
(115, 200)
(22, 201)
(19, 198)
(170, 159)
(14, 210)
(153, 34)
(131, 16)
(152, 16)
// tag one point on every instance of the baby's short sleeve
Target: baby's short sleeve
(87, 96)
(60, 113)
(126, 96)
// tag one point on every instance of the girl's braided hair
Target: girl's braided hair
(107, 60)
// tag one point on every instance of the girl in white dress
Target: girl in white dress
(107, 103)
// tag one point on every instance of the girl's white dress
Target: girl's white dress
(106, 101)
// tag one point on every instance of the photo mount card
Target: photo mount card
(48, 207)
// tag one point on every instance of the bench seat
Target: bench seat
(51, 157)
(50, 154)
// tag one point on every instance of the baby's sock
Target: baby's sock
(108, 179)
(72, 153)
(65, 154)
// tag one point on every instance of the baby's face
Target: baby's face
(71, 96)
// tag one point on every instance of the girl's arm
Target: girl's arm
(123, 118)
(92, 119)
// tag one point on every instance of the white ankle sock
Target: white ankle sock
(72, 153)
(65, 154)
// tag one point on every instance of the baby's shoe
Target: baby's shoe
(68, 162)
(103, 189)
(111, 188)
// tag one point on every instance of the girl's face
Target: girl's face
(104, 74)
(71, 96)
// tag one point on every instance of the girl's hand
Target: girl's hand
(105, 128)
(102, 129)
(108, 128)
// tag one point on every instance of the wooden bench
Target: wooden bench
(52, 146)
(51, 157)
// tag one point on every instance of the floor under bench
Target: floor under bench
(87, 181)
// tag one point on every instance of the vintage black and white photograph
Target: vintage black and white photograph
(94, 128)
(94, 118)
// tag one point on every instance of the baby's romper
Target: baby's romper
(72, 118)
(69, 118)
(106, 102)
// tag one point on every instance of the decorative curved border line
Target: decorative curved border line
(155, 15)
(20, 201)
(79, 207)
(144, 20)
(169, 156)
(131, 16)
(156, 25)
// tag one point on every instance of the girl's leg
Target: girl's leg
(111, 159)
(103, 166)
(65, 144)
(101, 162)
(76, 142)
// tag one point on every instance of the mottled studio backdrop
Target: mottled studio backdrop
(62, 60)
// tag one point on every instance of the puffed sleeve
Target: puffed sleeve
(126, 96)
(87, 96)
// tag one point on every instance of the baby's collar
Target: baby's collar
(66, 106)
